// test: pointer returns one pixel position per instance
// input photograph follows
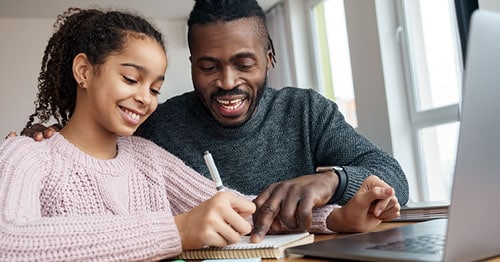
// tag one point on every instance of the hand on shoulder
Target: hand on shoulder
(11, 134)
(38, 132)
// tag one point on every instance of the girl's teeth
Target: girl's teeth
(132, 114)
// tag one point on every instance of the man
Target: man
(268, 142)
(264, 141)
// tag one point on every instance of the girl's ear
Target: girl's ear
(81, 69)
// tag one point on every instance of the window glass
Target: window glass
(434, 52)
(332, 56)
(439, 147)
(434, 63)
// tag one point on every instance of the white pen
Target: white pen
(213, 171)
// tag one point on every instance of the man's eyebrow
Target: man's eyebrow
(207, 59)
(232, 59)
(243, 55)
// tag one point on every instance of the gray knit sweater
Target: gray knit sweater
(293, 131)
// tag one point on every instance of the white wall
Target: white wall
(492, 5)
(368, 73)
(21, 55)
(22, 45)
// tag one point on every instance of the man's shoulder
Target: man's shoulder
(293, 91)
(171, 110)
(177, 102)
(295, 95)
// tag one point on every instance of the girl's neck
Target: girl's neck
(97, 143)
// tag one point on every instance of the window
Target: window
(333, 64)
(432, 61)
(434, 70)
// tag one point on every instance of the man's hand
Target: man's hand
(38, 131)
(11, 134)
(289, 203)
(374, 202)
(219, 221)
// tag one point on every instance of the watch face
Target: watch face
(337, 168)
(328, 168)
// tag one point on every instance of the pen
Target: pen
(213, 171)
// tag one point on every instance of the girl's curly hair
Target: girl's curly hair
(93, 32)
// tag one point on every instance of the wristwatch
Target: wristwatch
(342, 185)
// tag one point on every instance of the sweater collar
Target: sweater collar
(74, 154)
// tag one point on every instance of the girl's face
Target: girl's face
(123, 91)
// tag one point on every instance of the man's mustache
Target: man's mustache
(232, 92)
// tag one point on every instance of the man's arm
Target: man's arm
(334, 143)
(373, 203)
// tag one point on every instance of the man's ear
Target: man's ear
(270, 59)
(81, 69)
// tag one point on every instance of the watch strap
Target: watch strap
(342, 185)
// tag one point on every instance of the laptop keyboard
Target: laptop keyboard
(432, 243)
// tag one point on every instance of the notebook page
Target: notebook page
(270, 241)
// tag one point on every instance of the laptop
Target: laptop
(472, 229)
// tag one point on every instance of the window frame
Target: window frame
(415, 120)
(420, 119)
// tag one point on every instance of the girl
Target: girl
(93, 190)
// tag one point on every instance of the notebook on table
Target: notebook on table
(472, 229)
(273, 246)
(422, 211)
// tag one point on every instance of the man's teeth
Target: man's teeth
(230, 104)
(132, 114)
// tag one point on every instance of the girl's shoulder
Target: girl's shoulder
(139, 144)
(22, 145)
(22, 151)
(141, 147)
(148, 151)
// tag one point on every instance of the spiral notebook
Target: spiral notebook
(422, 211)
(273, 246)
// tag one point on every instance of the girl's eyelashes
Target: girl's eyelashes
(154, 91)
(132, 81)
(129, 80)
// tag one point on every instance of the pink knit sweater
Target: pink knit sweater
(58, 203)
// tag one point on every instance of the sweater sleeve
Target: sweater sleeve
(186, 187)
(338, 144)
(26, 235)
(189, 188)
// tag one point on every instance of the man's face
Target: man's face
(229, 63)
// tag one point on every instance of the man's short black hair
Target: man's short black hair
(220, 11)
(211, 11)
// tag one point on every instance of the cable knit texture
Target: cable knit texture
(58, 203)
(293, 132)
